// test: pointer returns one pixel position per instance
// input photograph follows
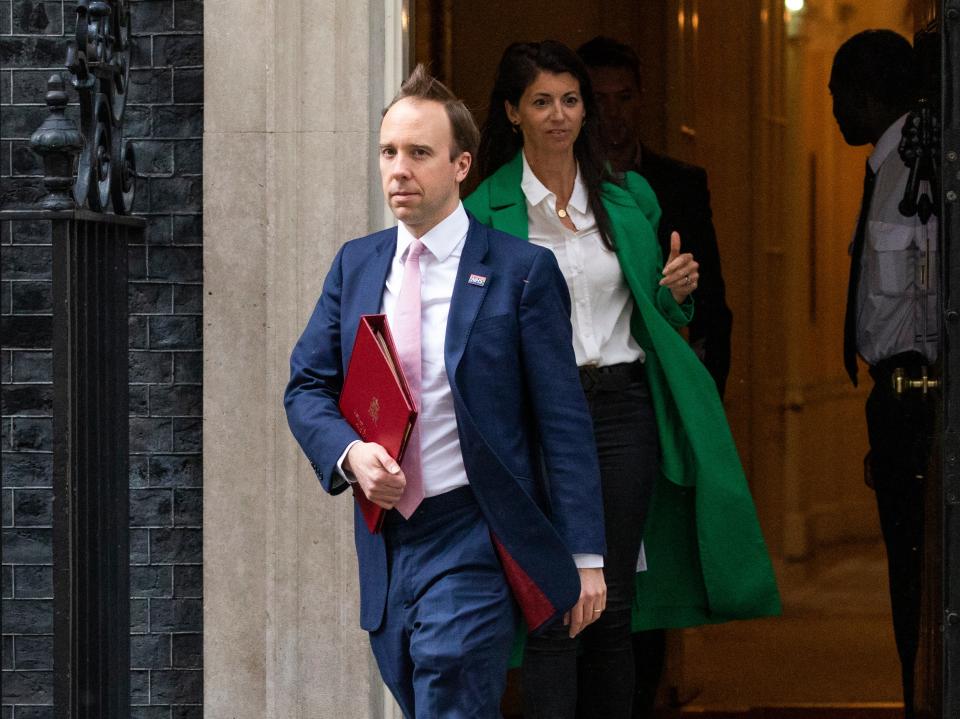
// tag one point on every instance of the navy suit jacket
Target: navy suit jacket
(525, 430)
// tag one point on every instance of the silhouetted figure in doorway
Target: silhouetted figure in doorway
(892, 316)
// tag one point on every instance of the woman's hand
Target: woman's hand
(680, 273)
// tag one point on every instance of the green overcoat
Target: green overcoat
(706, 558)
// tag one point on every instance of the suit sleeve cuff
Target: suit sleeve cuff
(588, 561)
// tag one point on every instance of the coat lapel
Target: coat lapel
(508, 206)
(469, 289)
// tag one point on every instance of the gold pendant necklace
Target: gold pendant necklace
(561, 213)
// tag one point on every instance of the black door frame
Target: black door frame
(950, 216)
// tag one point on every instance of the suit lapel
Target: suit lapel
(374, 278)
(469, 289)
(366, 295)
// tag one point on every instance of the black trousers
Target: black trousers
(900, 431)
(556, 685)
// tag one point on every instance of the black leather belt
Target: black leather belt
(612, 377)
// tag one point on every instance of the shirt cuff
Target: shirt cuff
(588, 561)
(348, 476)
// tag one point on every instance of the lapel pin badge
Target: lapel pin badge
(477, 280)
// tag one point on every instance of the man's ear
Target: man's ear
(463, 163)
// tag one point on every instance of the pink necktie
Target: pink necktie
(406, 330)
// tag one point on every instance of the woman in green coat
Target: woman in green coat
(670, 471)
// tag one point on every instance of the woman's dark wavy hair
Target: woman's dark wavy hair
(500, 141)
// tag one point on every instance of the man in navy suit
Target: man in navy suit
(512, 512)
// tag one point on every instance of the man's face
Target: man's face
(849, 110)
(420, 181)
(619, 99)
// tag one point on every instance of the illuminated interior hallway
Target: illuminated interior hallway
(740, 88)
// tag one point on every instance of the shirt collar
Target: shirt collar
(888, 142)
(535, 191)
(442, 239)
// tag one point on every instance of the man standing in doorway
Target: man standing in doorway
(499, 490)
(892, 315)
(681, 190)
(684, 198)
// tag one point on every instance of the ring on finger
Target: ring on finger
(686, 279)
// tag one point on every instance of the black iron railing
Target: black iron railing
(90, 459)
(91, 516)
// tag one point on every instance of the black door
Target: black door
(950, 164)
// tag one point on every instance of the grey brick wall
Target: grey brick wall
(165, 118)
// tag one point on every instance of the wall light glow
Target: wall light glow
(794, 5)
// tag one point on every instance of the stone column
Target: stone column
(293, 93)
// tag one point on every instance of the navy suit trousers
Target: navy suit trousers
(445, 642)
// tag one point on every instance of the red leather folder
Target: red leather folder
(376, 400)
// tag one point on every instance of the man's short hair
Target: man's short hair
(879, 63)
(604, 51)
(421, 85)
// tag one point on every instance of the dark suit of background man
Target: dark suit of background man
(504, 430)
(892, 318)
(681, 190)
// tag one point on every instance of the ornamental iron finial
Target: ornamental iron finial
(99, 63)
(57, 141)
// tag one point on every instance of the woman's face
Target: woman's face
(550, 113)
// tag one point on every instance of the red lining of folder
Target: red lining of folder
(534, 604)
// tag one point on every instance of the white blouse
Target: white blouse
(601, 301)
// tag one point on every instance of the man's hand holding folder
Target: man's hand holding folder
(376, 401)
(377, 473)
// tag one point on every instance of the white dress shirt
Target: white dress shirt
(600, 297)
(897, 308)
(442, 461)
